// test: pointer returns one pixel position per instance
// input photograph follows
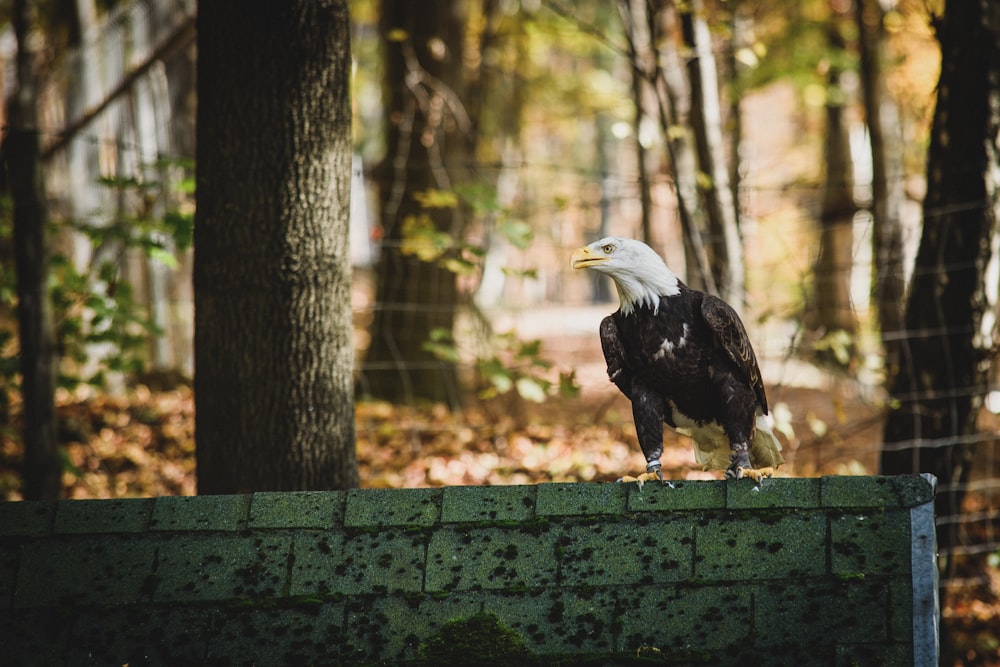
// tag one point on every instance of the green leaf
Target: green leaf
(421, 238)
(459, 266)
(529, 348)
(181, 227)
(397, 35)
(436, 198)
(531, 389)
(568, 386)
(164, 257)
(494, 372)
(440, 333)
(445, 351)
(517, 232)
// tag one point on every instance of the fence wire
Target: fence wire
(563, 302)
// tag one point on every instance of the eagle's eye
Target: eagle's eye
(608, 248)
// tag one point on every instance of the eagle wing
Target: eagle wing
(731, 337)
(614, 356)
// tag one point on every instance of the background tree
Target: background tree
(884, 133)
(725, 249)
(834, 312)
(428, 147)
(939, 384)
(273, 334)
(21, 156)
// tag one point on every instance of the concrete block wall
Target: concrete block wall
(833, 570)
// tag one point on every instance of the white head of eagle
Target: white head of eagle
(640, 274)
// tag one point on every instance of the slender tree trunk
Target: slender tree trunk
(740, 26)
(726, 246)
(272, 274)
(673, 96)
(832, 270)
(642, 58)
(882, 117)
(428, 145)
(21, 152)
(942, 376)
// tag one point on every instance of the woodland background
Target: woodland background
(773, 151)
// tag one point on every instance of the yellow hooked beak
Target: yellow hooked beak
(585, 257)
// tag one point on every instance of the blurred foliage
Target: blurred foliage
(99, 320)
(503, 362)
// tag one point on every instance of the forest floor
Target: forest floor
(142, 444)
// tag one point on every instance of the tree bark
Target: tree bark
(673, 95)
(940, 382)
(726, 247)
(273, 331)
(428, 137)
(882, 118)
(832, 269)
(42, 469)
(636, 22)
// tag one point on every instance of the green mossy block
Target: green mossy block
(206, 568)
(873, 655)
(581, 499)
(298, 509)
(278, 635)
(333, 564)
(793, 493)
(371, 508)
(676, 495)
(26, 518)
(39, 637)
(195, 513)
(559, 620)
(686, 621)
(880, 492)
(391, 630)
(141, 634)
(901, 609)
(870, 543)
(461, 558)
(627, 553)
(747, 653)
(820, 612)
(84, 571)
(758, 545)
(480, 639)
(473, 504)
(9, 561)
(103, 516)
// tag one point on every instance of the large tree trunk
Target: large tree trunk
(21, 152)
(427, 140)
(273, 331)
(938, 387)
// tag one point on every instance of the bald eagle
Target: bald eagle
(684, 359)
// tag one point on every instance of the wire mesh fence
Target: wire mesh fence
(830, 417)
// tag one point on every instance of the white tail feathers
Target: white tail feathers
(765, 450)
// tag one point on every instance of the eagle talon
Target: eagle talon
(756, 474)
(642, 479)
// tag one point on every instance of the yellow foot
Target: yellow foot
(756, 474)
(643, 478)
